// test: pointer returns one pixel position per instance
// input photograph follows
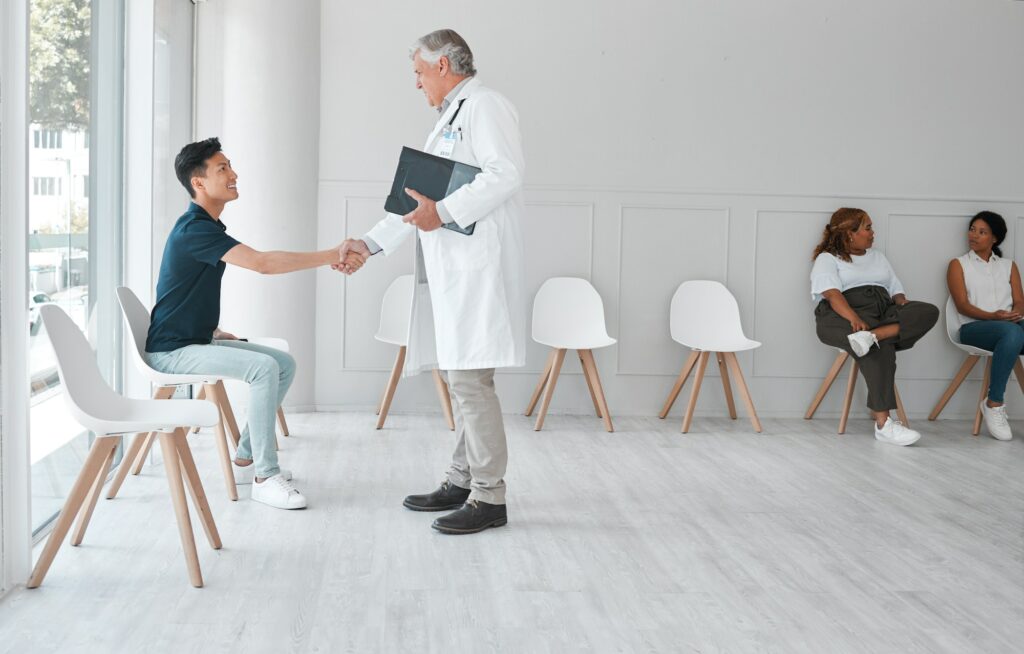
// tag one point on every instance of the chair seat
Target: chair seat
(730, 345)
(384, 338)
(165, 379)
(973, 351)
(580, 344)
(134, 416)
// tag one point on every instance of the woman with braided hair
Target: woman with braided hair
(863, 309)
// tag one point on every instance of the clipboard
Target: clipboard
(433, 176)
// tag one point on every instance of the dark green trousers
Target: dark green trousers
(875, 307)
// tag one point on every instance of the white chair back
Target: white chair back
(396, 311)
(953, 330)
(568, 313)
(91, 401)
(705, 316)
(136, 318)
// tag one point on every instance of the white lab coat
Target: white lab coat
(469, 306)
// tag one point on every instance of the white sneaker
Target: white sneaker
(995, 421)
(279, 493)
(894, 432)
(861, 342)
(244, 474)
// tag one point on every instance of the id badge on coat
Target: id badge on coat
(447, 146)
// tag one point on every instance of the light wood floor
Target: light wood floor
(797, 540)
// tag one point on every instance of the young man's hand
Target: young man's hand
(219, 335)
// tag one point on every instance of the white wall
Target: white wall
(671, 141)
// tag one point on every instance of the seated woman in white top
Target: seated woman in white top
(863, 309)
(990, 302)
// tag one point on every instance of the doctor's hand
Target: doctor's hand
(352, 254)
(424, 216)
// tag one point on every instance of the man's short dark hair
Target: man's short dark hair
(191, 161)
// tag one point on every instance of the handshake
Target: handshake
(352, 254)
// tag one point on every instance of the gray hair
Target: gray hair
(445, 43)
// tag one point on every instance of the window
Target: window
(73, 242)
(46, 185)
(47, 139)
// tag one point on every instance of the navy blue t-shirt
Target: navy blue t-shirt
(187, 308)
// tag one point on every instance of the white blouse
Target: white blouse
(868, 269)
(987, 282)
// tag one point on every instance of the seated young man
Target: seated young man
(184, 337)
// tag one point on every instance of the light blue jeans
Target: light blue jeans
(269, 373)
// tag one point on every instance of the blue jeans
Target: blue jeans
(269, 373)
(1005, 340)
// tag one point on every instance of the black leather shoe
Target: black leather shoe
(474, 516)
(447, 497)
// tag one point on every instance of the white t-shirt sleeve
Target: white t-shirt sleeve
(824, 275)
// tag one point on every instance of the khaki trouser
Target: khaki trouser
(481, 451)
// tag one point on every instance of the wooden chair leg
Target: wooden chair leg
(965, 369)
(695, 391)
(201, 395)
(161, 393)
(140, 459)
(590, 384)
(445, 398)
(220, 439)
(900, 412)
(726, 386)
(130, 455)
(1018, 371)
(172, 466)
(982, 396)
(281, 422)
(540, 384)
(851, 383)
(741, 386)
(228, 413)
(101, 447)
(674, 393)
(830, 378)
(597, 390)
(389, 392)
(85, 514)
(549, 390)
(195, 489)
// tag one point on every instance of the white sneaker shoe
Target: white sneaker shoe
(244, 474)
(996, 422)
(861, 342)
(894, 432)
(279, 493)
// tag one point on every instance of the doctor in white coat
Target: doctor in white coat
(469, 307)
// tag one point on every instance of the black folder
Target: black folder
(433, 176)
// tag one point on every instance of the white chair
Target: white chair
(851, 381)
(568, 314)
(110, 415)
(265, 341)
(705, 318)
(395, 316)
(136, 318)
(973, 354)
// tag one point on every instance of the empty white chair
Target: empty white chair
(705, 318)
(973, 354)
(395, 316)
(136, 318)
(98, 408)
(568, 314)
(851, 381)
